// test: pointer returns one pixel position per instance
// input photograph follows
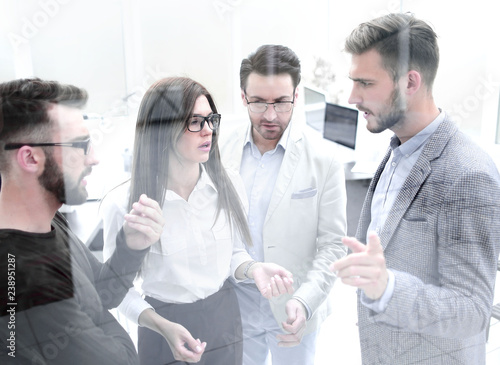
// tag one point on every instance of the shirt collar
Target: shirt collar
(283, 141)
(203, 182)
(417, 140)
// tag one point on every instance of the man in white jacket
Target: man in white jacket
(297, 208)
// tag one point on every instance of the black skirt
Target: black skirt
(215, 320)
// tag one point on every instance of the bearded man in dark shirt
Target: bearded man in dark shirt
(54, 294)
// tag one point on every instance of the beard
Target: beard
(395, 114)
(270, 134)
(66, 190)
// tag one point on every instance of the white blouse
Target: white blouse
(195, 256)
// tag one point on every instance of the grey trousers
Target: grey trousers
(215, 320)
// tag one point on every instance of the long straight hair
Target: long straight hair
(164, 114)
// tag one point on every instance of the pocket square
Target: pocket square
(306, 193)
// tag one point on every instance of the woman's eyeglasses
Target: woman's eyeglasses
(197, 122)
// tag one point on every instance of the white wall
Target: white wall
(117, 48)
(72, 41)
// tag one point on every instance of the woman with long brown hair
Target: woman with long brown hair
(185, 277)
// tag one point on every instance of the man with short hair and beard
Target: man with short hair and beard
(54, 294)
(427, 244)
(297, 209)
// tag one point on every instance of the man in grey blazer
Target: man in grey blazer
(431, 217)
(297, 208)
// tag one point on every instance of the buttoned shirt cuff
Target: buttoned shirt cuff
(133, 305)
(380, 304)
(308, 309)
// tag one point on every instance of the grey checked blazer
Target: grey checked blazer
(442, 241)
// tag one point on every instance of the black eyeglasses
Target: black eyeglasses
(261, 107)
(197, 122)
(84, 145)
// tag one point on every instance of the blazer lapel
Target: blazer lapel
(288, 167)
(365, 216)
(411, 186)
(233, 149)
(416, 178)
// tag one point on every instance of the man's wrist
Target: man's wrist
(379, 305)
(307, 310)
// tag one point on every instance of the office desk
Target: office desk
(350, 175)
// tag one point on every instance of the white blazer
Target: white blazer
(306, 218)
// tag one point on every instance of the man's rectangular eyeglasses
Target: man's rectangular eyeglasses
(197, 122)
(261, 107)
(84, 145)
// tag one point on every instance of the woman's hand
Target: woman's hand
(183, 346)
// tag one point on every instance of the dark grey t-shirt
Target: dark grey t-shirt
(55, 306)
